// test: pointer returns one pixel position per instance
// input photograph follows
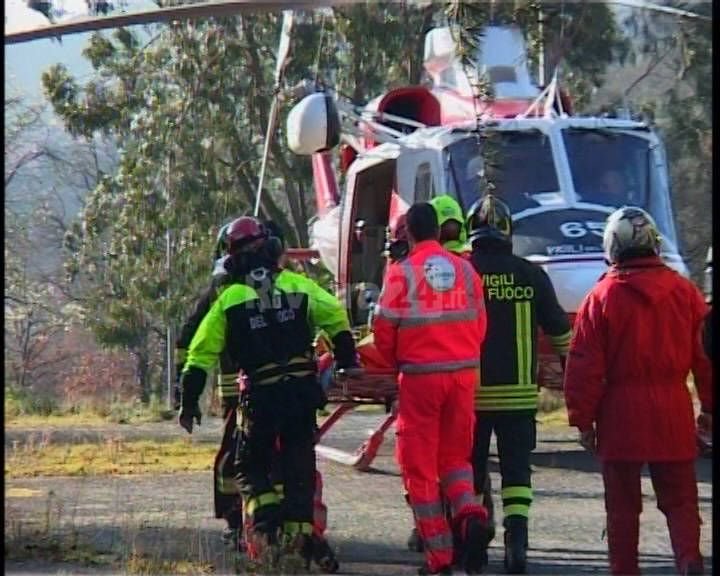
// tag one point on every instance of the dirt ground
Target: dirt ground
(105, 524)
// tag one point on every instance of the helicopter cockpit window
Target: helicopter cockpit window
(608, 168)
(423, 183)
(519, 164)
(617, 169)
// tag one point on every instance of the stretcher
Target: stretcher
(375, 385)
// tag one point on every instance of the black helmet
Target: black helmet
(489, 217)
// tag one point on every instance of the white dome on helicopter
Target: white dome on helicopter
(313, 125)
(502, 58)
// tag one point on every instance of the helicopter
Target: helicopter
(560, 174)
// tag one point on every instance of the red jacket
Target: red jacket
(637, 336)
(431, 314)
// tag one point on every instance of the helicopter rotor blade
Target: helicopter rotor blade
(282, 62)
(659, 8)
(233, 7)
(195, 10)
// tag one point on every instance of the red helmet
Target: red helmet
(245, 234)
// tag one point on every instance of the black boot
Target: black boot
(473, 555)
(516, 544)
(415, 543)
(490, 507)
(324, 556)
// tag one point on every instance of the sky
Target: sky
(25, 62)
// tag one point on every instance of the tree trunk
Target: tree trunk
(142, 372)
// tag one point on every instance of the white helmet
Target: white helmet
(629, 228)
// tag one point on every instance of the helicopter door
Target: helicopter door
(418, 176)
(364, 236)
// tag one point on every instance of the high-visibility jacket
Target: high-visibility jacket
(447, 208)
(431, 313)
(228, 374)
(518, 296)
(637, 336)
(268, 330)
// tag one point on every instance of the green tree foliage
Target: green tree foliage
(37, 310)
(187, 105)
(579, 39)
(676, 53)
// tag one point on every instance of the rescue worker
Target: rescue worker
(453, 235)
(264, 320)
(226, 495)
(637, 335)
(428, 299)
(518, 296)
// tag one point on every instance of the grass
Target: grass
(55, 548)
(22, 411)
(108, 458)
(59, 420)
(56, 540)
(144, 564)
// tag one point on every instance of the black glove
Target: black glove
(344, 350)
(177, 388)
(192, 383)
(187, 415)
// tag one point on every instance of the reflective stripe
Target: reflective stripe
(272, 372)
(228, 385)
(428, 510)
(292, 528)
(227, 485)
(392, 317)
(464, 499)
(438, 317)
(227, 379)
(490, 405)
(523, 342)
(509, 391)
(417, 317)
(180, 354)
(460, 475)
(265, 499)
(517, 492)
(469, 284)
(561, 343)
(442, 541)
(428, 367)
(516, 510)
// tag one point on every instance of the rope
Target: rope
(319, 50)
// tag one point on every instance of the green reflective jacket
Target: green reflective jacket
(271, 328)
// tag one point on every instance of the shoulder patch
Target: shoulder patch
(439, 273)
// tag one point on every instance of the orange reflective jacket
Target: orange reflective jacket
(431, 314)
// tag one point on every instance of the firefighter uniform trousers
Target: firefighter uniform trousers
(228, 504)
(677, 498)
(515, 433)
(432, 420)
(283, 411)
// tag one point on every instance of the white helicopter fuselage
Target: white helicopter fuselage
(558, 213)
